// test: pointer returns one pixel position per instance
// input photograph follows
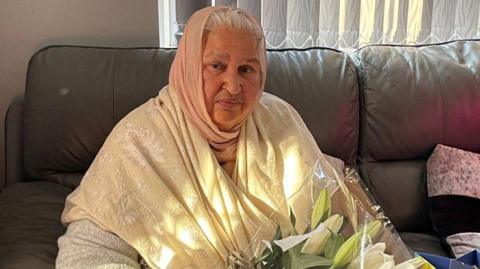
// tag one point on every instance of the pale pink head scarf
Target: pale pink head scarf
(186, 80)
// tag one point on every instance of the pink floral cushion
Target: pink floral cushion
(453, 171)
(463, 243)
(453, 181)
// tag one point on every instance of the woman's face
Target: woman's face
(231, 76)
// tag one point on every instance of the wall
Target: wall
(28, 25)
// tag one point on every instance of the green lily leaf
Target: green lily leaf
(287, 261)
(304, 261)
(271, 259)
(333, 244)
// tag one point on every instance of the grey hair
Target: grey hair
(233, 18)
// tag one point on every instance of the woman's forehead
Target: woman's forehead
(230, 39)
(227, 55)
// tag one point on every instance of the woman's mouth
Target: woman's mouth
(229, 103)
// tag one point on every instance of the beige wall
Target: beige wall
(28, 25)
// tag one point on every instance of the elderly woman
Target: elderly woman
(208, 168)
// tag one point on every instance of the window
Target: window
(346, 24)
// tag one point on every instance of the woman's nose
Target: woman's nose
(232, 82)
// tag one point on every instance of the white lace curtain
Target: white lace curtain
(343, 24)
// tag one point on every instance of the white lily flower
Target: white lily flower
(293, 240)
(373, 258)
(316, 243)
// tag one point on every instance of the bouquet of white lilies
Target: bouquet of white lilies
(347, 230)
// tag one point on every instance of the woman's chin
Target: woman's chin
(226, 124)
(226, 119)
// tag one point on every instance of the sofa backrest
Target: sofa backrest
(75, 95)
(412, 99)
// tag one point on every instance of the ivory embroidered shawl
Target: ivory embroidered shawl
(157, 184)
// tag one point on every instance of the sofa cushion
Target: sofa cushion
(417, 97)
(401, 189)
(414, 97)
(30, 224)
(322, 86)
(424, 243)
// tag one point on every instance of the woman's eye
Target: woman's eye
(246, 69)
(217, 66)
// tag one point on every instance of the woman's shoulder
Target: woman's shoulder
(144, 123)
(271, 100)
(275, 108)
(147, 115)
(139, 118)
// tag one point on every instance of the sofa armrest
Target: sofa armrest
(14, 166)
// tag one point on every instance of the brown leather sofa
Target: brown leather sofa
(381, 109)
